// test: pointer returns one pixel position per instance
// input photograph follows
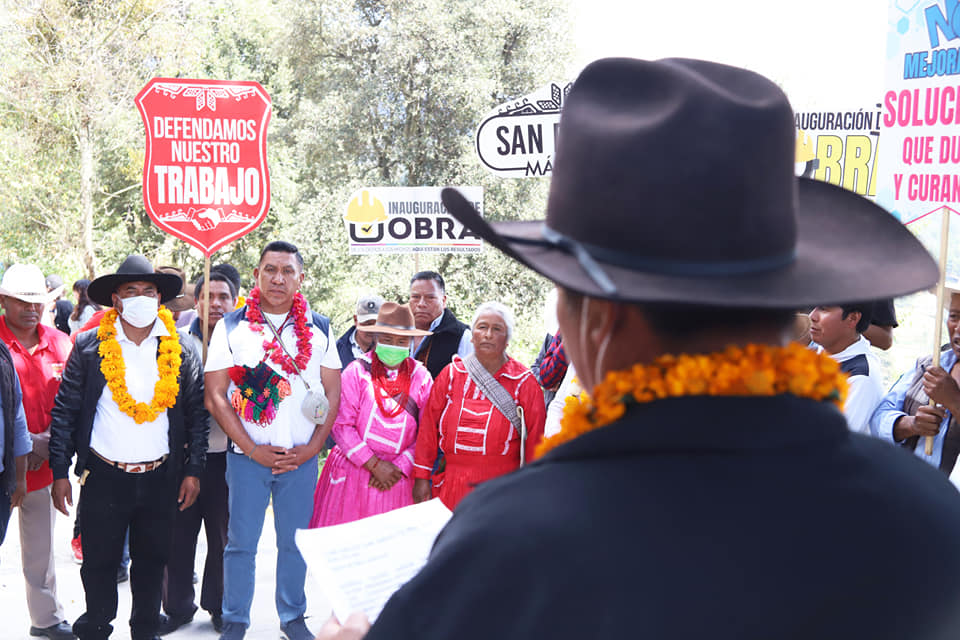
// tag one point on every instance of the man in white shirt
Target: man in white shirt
(264, 360)
(130, 405)
(837, 330)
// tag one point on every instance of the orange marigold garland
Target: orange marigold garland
(753, 370)
(114, 370)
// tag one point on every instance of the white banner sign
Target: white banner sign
(920, 113)
(921, 110)
(517, 139)
(408, 220)
(839, 147)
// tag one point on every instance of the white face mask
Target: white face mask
(140, 311)
(602, 351)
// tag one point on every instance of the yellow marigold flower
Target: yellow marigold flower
(760, 383)
(112, 366)
(142, 414)
(737, 371)
(608, 412)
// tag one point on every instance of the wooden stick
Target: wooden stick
(206, 306)
(938, 317)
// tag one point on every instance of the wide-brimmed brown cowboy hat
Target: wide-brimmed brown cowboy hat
(134, 269)
(184, 299)
(673, 182)
(395, 319)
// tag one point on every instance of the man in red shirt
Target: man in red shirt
(39, 353)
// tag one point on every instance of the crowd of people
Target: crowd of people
(717, 480)
(168, 433)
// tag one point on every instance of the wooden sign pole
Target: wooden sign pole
(204, 320)
(938, 316)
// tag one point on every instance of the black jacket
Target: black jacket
(438, 349)
(345, 349)
(693, 518)
(8, 403)
(76, 403)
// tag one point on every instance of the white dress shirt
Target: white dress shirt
(116, 436)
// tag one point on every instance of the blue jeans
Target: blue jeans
(250, 487)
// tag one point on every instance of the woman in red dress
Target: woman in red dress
(477, 439)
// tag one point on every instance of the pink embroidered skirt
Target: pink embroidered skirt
(343, 493)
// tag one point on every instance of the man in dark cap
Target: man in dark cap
(353, 344)
(130, 406)
(717, 494)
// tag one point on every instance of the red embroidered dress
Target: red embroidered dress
(478, 442)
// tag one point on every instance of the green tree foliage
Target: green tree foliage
(70, 69)
(391, 93)
(365, 93)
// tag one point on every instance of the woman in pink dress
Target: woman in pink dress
(382, 392)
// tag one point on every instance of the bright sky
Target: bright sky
(825, 53)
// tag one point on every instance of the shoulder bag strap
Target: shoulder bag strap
(499, 397)
(292, 360)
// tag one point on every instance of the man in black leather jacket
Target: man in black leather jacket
(137, 460)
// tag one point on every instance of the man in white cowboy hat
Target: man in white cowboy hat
(719, 494)
(39, 353)
(130, 406)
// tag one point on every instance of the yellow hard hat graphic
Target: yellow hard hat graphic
(365, 209)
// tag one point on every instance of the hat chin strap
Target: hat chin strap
(557, 240)
(586, 261)
(587, 255)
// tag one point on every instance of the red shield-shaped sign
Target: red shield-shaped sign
(205, 174)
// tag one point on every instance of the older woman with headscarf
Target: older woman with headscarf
(485, 413)
(382, 394)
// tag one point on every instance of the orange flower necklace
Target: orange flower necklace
(753, 370)
(113, 369)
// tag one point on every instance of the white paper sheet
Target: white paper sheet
(360, 564)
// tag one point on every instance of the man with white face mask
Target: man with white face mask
(130, 405)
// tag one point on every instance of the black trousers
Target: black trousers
(210, 509)
(114, 500)
(4, 513)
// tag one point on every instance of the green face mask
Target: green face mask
(392, 355)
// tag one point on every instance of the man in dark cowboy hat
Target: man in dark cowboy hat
(130, 406)
(720, 496)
